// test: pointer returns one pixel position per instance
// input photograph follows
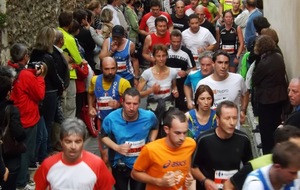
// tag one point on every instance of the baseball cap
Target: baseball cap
(118, 30)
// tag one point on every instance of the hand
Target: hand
(188, 180)
(84, 62)
(175, 93)
(123, 149)
(236, 61)
(43, 71)
(92, 112)
(200, 50)
(141, 9)
(181, 73)
(190, 104)
(168, 180)
(242, 117)
(210, 185)
(5, 177)
(113, 103)
(228, 185)
(114, 46)
(155, 88)
(136, 82)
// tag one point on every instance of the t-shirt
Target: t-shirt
(165, 84)
(192, 79)
(216, 157)
(147, 22)
(88, 173)
(232, 88)
(260, 180)
(157, 158)
(180, 23)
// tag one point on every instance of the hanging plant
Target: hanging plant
(3, 18)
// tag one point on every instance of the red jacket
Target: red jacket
(28, 91)
(82, 73)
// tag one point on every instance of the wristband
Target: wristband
(203, 181)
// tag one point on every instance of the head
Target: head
(176, 127)
(59, 38)
(90, 16)
(236, 5)
(155, 6)
(131, 102)
(160, 54)
(204, 98)
(260, 23)
(270, 32)
(286, 156)
(45, 39)
(161, 25)
(175, 39)
(109, 68)
(7, 71)
(106, 15)
(19, 53)
(194, 3)
(206, 63)
(294, 91)
(65, 19)
(228, 17)
(287, 133)
(72, 136)
(179, 8)
(227, 117)
(94, 6)
(205, 2)
(200, 12)
(221, 64)
(75, 28)
(118, 33)
(251, 4)
(5, 89)
(194, 23)
(264, 44)
(81, 16)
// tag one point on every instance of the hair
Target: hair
(106, 15)
(286, 132)
(260, 22)
(132, 92)
(286, 154)
(75, 27)
(65, 19)
(90, 15)
(225, 104)
(160, 19)
(270, 32)
(159, 47)
(110, 2)
(174, 114)
(264, 44)
(45, 39)
(58, 36)
(8, 72)
(80, 15)
(251, 3)
(94, 4)
(155, 3)
(228, 11)
(72, 126)
(176, 33)
(206, 54)
(18, 52)
(203, 88)
(192, 16)
(218, 53)
(6, 84)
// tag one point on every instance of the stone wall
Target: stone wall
(25, 18)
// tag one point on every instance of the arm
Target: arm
(153, 135)
(108, 51)
(143, 26)
(98, 39)
(92, 98)
(189, 96)
(218, 37)
(244, 105)
(217, 15)
(121, 149)
(133, 23)
(146, 52)
(135, 63)
(211, 47)
(140, 87)
(208, 183)
(174, 89)
(241, 40)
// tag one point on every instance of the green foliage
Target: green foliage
(3, 18)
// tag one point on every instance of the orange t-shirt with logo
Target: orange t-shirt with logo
(157, 159)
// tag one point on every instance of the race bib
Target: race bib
(136, 147)
(221, 176)
(228, 48)
(121, 66)
(102, 103)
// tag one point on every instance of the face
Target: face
(227, 121)
(204, 101)
(194, 3)
(130, 107)
(206, 66)
(117, 40)
(161, 28)
(200, 13)
(72, 146)
(179, 8)
(204, 2)
(155, 11)
(175, 42)
(294, 92)
(287, 175)
(221, 66)
(228, 19)
(194, 25)
(236, 5)
(109, 69)
(160, 58)
(98, 10)
(177, 133)
(295, 140)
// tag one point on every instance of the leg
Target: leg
(122, 178)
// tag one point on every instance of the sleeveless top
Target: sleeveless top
(229, 39)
